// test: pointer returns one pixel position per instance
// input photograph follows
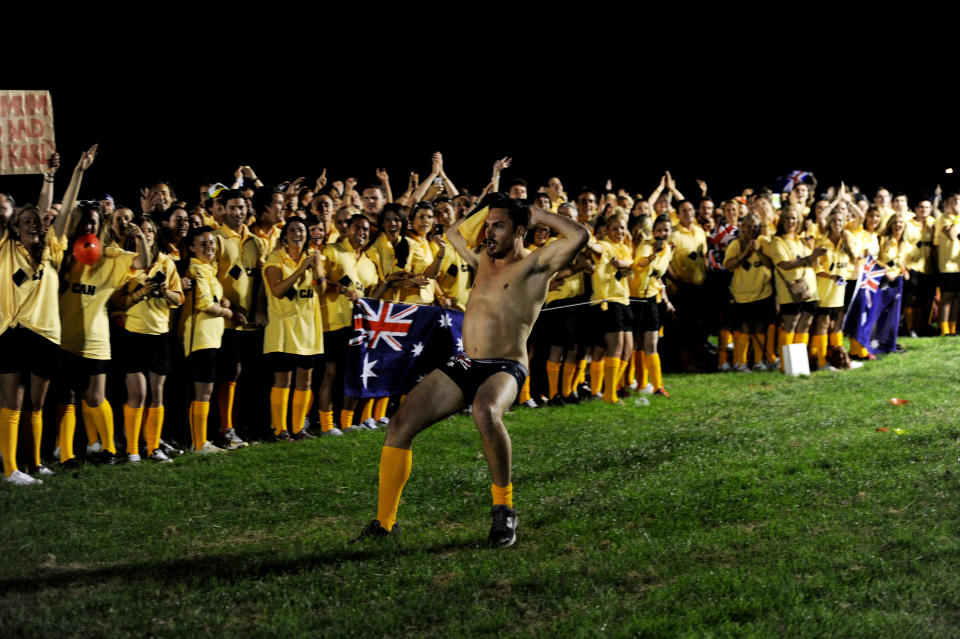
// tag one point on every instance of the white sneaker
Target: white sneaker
(633, 385)
(44, 470)
(370, 423)
(648, 389)
(133, 459)
(383, 421)
(831, 367)
(333, 431)
(160, 456)
(760, 367)
(22, 479)
(94, 448)
(743, 368)
(726, 368)
(530, 403)
(855, 364)
(208, 448)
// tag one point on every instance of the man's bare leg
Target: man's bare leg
(431, 400)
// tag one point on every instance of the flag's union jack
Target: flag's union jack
(383, 323)
(871, 274)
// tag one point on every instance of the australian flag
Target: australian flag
(785, 183)
(395, 345)
(874, 314)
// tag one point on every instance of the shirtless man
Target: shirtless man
(491, 371)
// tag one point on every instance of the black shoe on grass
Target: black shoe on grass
(374, 530)
(503, 532)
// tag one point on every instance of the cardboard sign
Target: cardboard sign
(26, 131)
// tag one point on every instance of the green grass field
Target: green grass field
(744, 505)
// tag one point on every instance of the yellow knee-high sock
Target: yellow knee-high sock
(367, 412)
(773, 351)
(953, 327)
(785, 339)
(199, 413)
(225, 402)
(622, 373)
(944, 328)
(102, 419)
(502, 495)
(380, 408)
(653, 368)
(553, 378)
(326, 420)
(36, 426)
(724, 339)
(835, 339)
(857, 349)
(302, 399)
(524, 391)
(68, 427)
(132, 418)
(581, 373)
(9, 426)
(740, 346)
(756, 342)
(278, 409)
(152, 427)
(611, 369)
(641, 359)
(346, 419)
(569, 374)
(395, 464)
(818, 349)
(801, 338)
(596, 376)
(631, 379)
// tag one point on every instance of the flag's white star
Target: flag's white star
(368, 369)
(874, 344)
(459, 344)
(417, 349)
(420, 378)
(444, 320)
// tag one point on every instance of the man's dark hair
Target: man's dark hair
(373, 185)
(681, 202)
(262, 198)
(518, 210)
(516, 182)
(193, 233)
(705, 199)
(229, 194)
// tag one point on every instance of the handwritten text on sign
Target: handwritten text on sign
(26, 131)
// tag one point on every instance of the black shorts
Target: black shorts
(560, 323)
(78, 370)
(470, 374)
(335, 345)
(238, 346)
(143, 353)
(760, 311)
(616, 319)
(799, 309)
(203, 365)
(23, 351)
(919, 289)
(848, 290)
(286, 362)
(646, 315)
(834, 314)
(949, 282)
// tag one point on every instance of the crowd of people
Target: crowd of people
(169, 307)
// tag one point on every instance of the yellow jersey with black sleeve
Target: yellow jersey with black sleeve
(689, 261)
(454, 274)
(344, 269)
(893, 255)
(647, 280)
(610, 283)
(920, 236)
(948, 250)
(201, 330)
(151, 316)
(836, 264)
(85, 291)
(29, 296)
(294, 323)
(238, 263)
(789, 249)
(752, 281)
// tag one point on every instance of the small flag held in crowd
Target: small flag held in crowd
(874, 313)
(785, 183)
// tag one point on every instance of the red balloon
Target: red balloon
(87, 249)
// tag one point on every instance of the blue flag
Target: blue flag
(395, 345)
(874, 314)
(785, 183)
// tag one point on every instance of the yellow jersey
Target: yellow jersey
(85, 291)
(948, 250)
(238, 262)
(295, 325)
(344, 268)
(647, 281)
(29, 296)
(151, 316)
(752, 281)
(199, 329)
(454, 275)
(689, 262)
(789, 249)
(609, 282)
(894, 255)
(920, 236)
(837, 264)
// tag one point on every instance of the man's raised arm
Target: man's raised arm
(572, 237)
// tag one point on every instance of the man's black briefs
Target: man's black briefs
(470, 374)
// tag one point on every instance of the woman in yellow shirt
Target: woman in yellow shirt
(293, 337)
(895, 248)
(651, 260)
(833, 270)
(946, 242)
(202, 330)
(147, 301)
(752, 289)
(796, 281)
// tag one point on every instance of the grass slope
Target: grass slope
(744, 505)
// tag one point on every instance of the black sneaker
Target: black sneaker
(303, 434)
(572, 398)
(503, 532)
(283, 436)
(374, 530)
(107, 458)
(556, 401)
(71, 464)
(584, 392)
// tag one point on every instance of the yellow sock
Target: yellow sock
(772, 349)
(581, 373)
(278, 409)
(653, 367)
(622, 372)
(835, 339)
(785, 339)
(502, 495)
(199, 413)
(596, 376)
(757, 343)
(346, 419)
(395, 464)
(569, 374)
(131, 428)
(152, 428)
(89, 426)
(944, 328)
(225, 401)
(367, 412)
(818, 347)
(68, 427)
(524, 391)
(9, 425)
(326, 420)
(553, 378)
(801, 338)
(611, 368)
(380, 408)
(953, 327)
(641, 359)
(102, 419)
(724, 339)
(857, 349)
(740, 346)
(36, 425)
(302, 399)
